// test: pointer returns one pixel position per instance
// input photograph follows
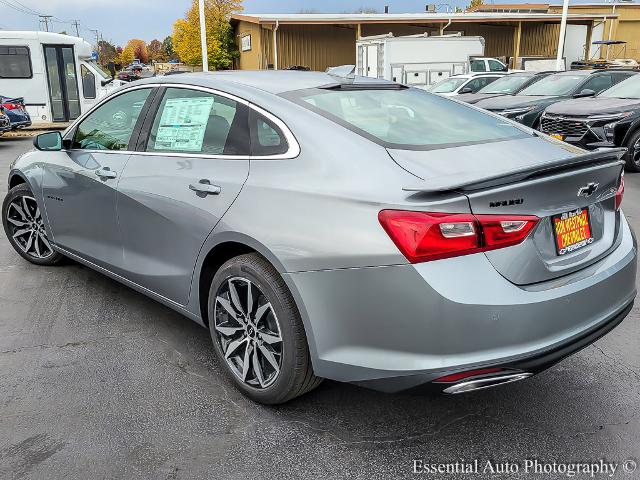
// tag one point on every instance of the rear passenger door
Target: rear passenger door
(191, 162)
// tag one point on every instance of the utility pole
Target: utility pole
(203, 38)
(76, 24)
(97, 42)
(45, 20)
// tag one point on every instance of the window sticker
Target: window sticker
(183, 124)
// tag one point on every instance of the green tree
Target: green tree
(475, 3)
(221, 46)
(167, 49)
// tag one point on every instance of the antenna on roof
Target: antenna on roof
(343, 71)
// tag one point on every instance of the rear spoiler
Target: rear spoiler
(467, 181)
(19, 100)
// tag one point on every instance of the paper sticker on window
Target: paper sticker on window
(183, 124)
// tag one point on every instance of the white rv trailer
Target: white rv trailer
(54, 73)
(417, 60)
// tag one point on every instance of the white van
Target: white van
(54, 73)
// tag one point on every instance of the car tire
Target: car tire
(632, 157)
(244, 336)
(20, 212)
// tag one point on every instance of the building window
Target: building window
(245, 43)
(15, 62)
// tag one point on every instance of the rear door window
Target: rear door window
(194, 121)
(266, 137)
(478, 66)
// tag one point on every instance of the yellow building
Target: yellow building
(318, 41)
(620, 21)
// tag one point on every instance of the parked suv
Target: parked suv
(508, 85)
(610, 119)
(528, 105)
(467, 83)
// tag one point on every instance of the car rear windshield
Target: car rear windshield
(407, 118)
(507, 84)
(629, 88)
(554, 85)
(448, 85)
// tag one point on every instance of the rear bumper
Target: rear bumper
(400, 327)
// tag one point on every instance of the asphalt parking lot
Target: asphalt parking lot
(98, 381)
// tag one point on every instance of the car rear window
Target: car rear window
(407, 118)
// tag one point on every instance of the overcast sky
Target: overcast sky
(120, 20)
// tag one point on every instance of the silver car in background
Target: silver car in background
(331, 226)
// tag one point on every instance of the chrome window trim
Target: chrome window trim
(292, 152)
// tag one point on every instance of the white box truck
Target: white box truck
(421, 60)
(54, 73)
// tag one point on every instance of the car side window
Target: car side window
(88, 82)
(495, 66)
(478, 66)
(266, 137)
(598, 83)
(193, 121)
(110, 126)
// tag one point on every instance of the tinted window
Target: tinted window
(447, 86)
(630, 88)
(478, 66)
(406, 118)
(111, 125)
(598, 83)
(15, 62)
(266, 137)
(495, 66)
(506, 84)
(557, 84)
(192, 121)
(88, 82)
(478, 83)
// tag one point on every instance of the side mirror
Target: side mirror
(48, 142)
(505, 68)
(585, 93)
(112, 69)
(465, 90)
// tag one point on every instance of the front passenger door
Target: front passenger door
(79, 183)
(173, 194)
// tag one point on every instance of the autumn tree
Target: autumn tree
(475, 3)
(155, 51)
(221, 45)
(126, 56)
(139, 49)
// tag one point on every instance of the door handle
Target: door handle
(105, 173)
(205, 187)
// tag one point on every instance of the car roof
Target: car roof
(273, 81)
(478, 74)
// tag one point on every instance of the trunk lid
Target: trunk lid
(547, 180)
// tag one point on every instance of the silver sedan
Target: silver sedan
(330, 226)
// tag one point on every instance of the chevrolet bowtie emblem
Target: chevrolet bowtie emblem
(588, 190)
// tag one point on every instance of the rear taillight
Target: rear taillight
(425, 236)
(620, 192)
(11, 106)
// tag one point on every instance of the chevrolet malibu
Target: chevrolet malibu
(322, 225)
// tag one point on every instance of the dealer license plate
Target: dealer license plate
(557, 136)
(572, 231)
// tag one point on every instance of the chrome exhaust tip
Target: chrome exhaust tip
(486, 382)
